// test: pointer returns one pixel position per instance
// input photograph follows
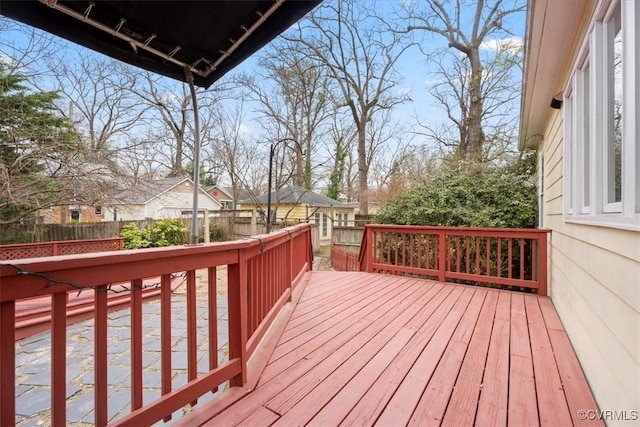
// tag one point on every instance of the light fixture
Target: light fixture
(556, 101)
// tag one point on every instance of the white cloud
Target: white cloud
(244, 129)
(404, 91)
(502, 44)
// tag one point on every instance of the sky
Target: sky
(413, 68)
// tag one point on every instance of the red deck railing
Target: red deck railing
(62, 247)
(262, 272)
(343, 260)
(494, 256)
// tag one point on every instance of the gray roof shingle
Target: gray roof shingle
(146, 190)
(295, 194)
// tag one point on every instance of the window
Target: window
(97, 210)
(75, 215)
(316, 218)
(325, 224)
(583, 134)
(601, 153)
(613, 99)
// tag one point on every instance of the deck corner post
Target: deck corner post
(542, 264)
(8, 363)
(309, 241)
(442, 255)
(238, 306)
(368, 254)
(290, 273)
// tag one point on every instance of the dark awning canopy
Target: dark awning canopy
(211, 37)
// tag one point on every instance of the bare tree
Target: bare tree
(101, 92)
(230, 147)
(359, 54)
(451, 90)
(172, 101)
(388, 164)
(467, 80)
(24, 48)
(294, 100)
(144, 158)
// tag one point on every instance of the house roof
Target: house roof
(553, 31)
(242, 193)
(144, 191)
(215, 191)
(209, 37)
(296, 195)
(228, 192)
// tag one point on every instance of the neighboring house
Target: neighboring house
(220, 194)
(225, 196)
(297, 204)
(72, 213)
(165, 198)
(581, 111)
(85, 191)
(374, 207)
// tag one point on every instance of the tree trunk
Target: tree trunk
(363, 169)
(177, 164)
(475, 134)
(298, 178)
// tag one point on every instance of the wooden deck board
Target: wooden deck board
(370, 349)
(433, 403)
(523, 407)
(552, 405)
(464, 400)
(399, 409)
(494, 395)
(322, 318)
(361, 318)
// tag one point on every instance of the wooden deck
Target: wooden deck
(364, 349)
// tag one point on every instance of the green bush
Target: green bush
(469, 195)
(134, 237)
(216, 234)
(168, 232)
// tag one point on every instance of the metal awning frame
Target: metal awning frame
(211, 64)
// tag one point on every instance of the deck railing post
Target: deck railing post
(368, 254)
(238, 301)
(309, 240)
(442, 255)
(290, 272)
(55, 249)
(8, 363)
(542, 263)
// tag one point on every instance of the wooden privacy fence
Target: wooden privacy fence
(65, 247)
(262, 273)
(493, 256)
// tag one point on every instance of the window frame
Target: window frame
(325, 224)
(588, 176)
(607, 40)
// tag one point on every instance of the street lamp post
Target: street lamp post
(272, 151)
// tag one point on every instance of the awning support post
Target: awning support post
(196, 157)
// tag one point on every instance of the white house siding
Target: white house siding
(172, 203)
(125, 213)
(594, 282)
(169, 204)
